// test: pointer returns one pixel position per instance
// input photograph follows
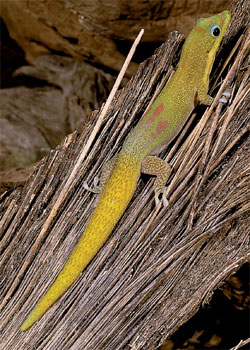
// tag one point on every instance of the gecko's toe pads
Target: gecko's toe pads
(225, 97)
(95, 189)
(162, 191)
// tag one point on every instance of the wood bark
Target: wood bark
(160, 264)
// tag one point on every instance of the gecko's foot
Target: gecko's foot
(95, 189)
(225, 97)
(158, 192)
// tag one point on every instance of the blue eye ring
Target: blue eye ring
(215, 31)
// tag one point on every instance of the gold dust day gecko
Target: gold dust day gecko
(188, 85)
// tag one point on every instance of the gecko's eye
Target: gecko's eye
(215, 31)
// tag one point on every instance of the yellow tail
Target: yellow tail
(112, 203)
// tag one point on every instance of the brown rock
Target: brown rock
(96, 31)
(35, 120)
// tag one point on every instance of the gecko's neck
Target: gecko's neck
(194, 67)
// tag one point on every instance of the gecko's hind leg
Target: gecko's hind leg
(156, 166)
(105, 174)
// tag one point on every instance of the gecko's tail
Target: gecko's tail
(112, 203)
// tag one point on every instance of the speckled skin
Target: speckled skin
(155, 130)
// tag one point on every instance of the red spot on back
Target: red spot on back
(158, 110)
(161, 127)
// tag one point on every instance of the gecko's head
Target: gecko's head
(200, 47)
(210, 31)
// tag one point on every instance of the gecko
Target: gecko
(154, 131)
